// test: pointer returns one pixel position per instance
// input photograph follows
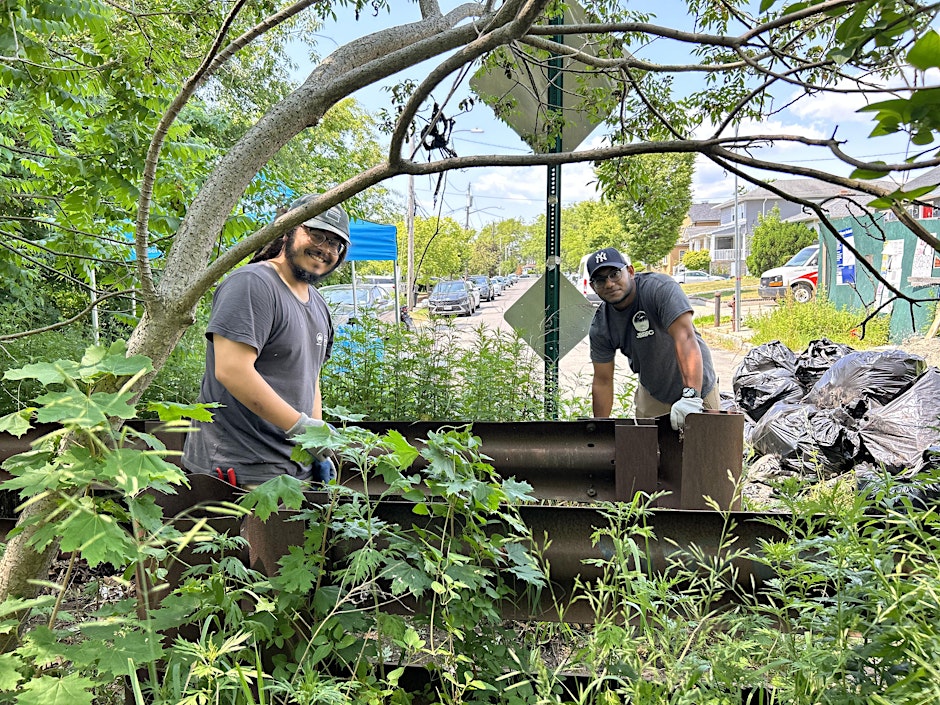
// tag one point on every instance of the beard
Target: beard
(301, 274)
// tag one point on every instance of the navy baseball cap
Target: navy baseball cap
(608, 257)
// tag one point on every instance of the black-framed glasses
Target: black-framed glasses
(604, 278)
(318, 237)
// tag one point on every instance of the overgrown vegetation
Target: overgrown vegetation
(836, 603)
(795, 325)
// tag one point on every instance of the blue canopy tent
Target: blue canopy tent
(373, 241)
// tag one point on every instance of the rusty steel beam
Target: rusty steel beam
(603, 459)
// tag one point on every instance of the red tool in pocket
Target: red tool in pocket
(228, 476)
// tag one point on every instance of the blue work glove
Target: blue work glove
(683, 408)
(301, 426)
(323, 471)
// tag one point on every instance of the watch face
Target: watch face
(689, 393)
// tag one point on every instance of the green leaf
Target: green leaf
(168, 411)
(42, 647)
(267, 497)
(869, 174)
(70, 689)
(296, 574)
(925, 54)
(404, 453)
(17, 423)
(98, 537)
(133, 471)
(45, 373)
(9, 673)
(72, 408)
(110, 646)
(114, 361)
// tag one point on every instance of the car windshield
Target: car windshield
(801, 257)
(342, 296)
(449, 287)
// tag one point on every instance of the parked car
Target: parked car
(690, 276)
(452, 297)
(498, 285)
(370, 300)
(487, 292)
(475, 293)
(799, 276)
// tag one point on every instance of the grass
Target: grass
(796, 325)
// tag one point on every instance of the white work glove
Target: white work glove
(683, 408)
(299, 429)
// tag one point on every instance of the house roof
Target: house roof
(704, 212)
(928, 178)
(848, 207)
(806, 189)
(693, 231)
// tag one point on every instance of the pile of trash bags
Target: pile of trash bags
(832, 409)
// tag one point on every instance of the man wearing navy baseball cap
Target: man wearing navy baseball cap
(648, 318)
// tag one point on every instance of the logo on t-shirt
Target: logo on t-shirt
(641, 324)
(319, 340)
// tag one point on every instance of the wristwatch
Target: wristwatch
(689, 392)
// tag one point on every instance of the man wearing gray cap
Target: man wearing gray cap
(648, 318)
(269, 335)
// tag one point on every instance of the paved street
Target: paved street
(575, 370)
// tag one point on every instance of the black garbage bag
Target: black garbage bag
(755, 393)
(765, 377)
(769, 356)
(898, 433)
(818, 357)
(817, 443)
(877, 376)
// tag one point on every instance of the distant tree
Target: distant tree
(697, 259)
(485, 252)
(652, 194)
(774, 242)
(441, 248)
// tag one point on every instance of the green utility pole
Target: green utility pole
(553, 236)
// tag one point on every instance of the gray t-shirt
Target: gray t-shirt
(641, 333)
(293, 339)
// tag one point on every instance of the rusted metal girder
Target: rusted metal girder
(562, 535)
(605, 459)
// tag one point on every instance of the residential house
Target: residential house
(701, 219)
(759, 202)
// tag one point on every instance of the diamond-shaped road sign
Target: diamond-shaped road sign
(527, 316)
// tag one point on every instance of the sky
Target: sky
(494, 194)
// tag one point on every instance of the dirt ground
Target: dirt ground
(927, 348)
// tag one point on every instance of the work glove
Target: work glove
(299, 429)
(323, 470)
(683, 408)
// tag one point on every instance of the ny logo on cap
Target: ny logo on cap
(600, 257)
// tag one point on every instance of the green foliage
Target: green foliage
(795, 325)
(774, 242)
(652, 194)
(383, 372)
(697, 259)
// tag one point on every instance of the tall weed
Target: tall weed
(796, 325)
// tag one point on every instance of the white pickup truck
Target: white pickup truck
(798, 276)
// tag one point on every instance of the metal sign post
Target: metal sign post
(553, 238)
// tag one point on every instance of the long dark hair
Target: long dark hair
(273, 248)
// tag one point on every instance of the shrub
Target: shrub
(697, 259)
